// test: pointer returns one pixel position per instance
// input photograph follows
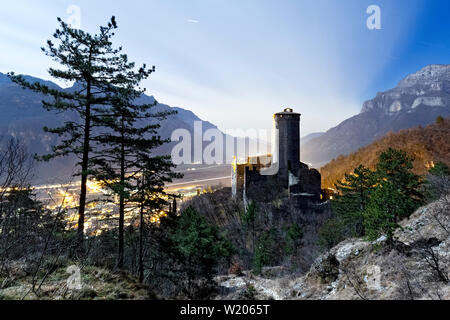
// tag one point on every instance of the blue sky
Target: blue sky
(235, 62)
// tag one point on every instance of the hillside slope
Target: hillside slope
(96, 284)
(309, 137)
(427, 145)
(357, 269)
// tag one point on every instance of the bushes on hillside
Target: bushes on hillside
(437, 182)
(396, 194)
(353, 198)
(371, 203)
(425, 144)
(186, 253)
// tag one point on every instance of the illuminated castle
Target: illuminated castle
(282, 168)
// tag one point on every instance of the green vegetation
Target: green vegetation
(248, 218)
(113, 136)
(427, 145)
(124, 163)
(294, 235)
(178, 255)
(330, 234)
(187, 253)
(97, 67)
(249, 215)
(264, 251)
(114, 139)
(437, 183)
(439, 169)
(371, 203)
(353, 198)
(199, 244)
(396, 195)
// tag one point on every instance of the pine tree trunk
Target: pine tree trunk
(253, 237)
(121, 231)
(121, 202)
(84, 169)
(141, 245)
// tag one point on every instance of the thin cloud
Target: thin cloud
(192, 21)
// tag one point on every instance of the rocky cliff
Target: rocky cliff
(416, 266)
(416, 101)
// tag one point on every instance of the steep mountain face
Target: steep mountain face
(425, 145)
(22, 116)
(416, 101)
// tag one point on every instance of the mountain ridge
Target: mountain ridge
(22, 116)
(416, 101)
(427, 145)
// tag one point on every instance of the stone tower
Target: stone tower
(288, 125)
(283, 168)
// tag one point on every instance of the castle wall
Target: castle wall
(303, 184)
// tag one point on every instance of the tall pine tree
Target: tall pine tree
(97, 68)
(354, 194)
(124, 161)
(149, 195)
(396, 196)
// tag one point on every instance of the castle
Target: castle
(283, 167)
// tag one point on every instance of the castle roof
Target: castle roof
(287, 111)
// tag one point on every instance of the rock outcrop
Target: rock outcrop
(415, 266)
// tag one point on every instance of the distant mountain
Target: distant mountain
(426, 145)
(22, 116)
(310, 136)
(416, 101)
